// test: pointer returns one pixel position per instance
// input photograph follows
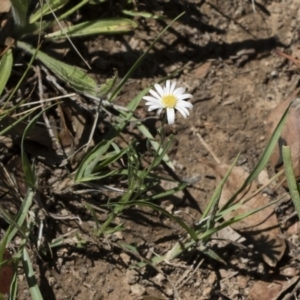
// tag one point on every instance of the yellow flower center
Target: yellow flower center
(169, 101)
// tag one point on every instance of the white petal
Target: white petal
(155, 94)
(159, 89)
(167, 87)
(151, 99)
(159, 111)
(179, 91)
(153, 107)
(185, 96)
(183, 111)
(184, 104)
(153, 104)
(170, 115)
(172, 87)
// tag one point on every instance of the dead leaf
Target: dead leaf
(65, 135)
(293, 229)
(271, 289)
(290, 134)
(261, 228)
(202, 70)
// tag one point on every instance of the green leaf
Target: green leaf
(213, 254)
(290, 177)
(214, 201)
(21, 215)
(30, 276)
(72, 75)
(78, 79)
(45, 9)
(108, 86)
(14, 287)
(96, 2)
(19, 11)
(158, 208)
(111, 159)
(6, 63)
(28, 172)
(110, 26)
(233, 220)
(156, 146)
(264, 158)
(13, 122)
(91, 160)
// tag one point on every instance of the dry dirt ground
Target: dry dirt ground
(226, 52)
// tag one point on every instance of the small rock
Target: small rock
(169, 292)
(137, 290)
(263, 177)
(118, 235)
(132, 276)
(207, 291)
(212, 278)
(125, 258)
(159, 278)
(242, 281)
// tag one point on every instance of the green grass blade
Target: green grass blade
(290, 177)
(113, 158)
(30, 276)
(98, 176)
(14, 287)
(21, 215)
(19, 11)
(28, 172)
(6, 63)
(11, 126)
(91, 160)
(106, 87)
(264, 159)
(73, 9)
(110, 26)
(78, 79)
(45, 9)
(140, 59)
(155, 207)
(233, 220)
(217, 192)
(17, 86)
(156, 146)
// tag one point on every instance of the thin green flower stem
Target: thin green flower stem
(161, 129)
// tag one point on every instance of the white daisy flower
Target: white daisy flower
(170, 99)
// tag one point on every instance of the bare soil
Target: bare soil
(225, 52)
